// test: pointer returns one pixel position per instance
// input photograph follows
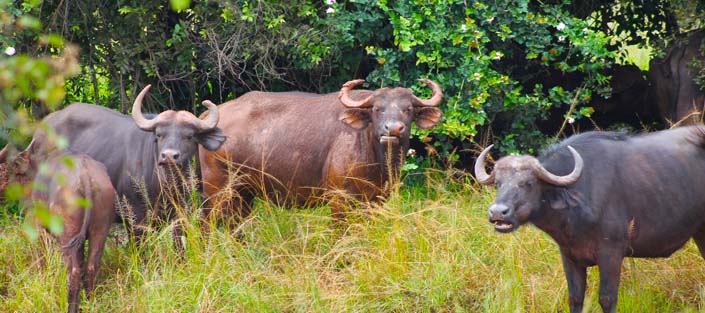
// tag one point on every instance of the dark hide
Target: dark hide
(639, 196)
(294, 147)
(129, 153)
(679, 98)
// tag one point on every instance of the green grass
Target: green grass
(427, 249)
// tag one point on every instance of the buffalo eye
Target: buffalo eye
(525, 184)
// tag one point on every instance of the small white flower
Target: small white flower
(585, 30)
(561, 38)
(481, 112)
(330, 2)
(463, 28)
(411, 152)
(330, 11)
(477, 76)
(497, 55)
(10, 51)
(560, 26)
(490, 19)
(571, 120)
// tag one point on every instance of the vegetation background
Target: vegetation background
(506, 67)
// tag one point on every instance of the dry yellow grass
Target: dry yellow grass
(427, 249)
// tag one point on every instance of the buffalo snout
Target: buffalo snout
(501, 216)
(394, 128)
(169, 155)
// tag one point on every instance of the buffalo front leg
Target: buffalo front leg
(577, 278)
(610, 264)
(699, 239)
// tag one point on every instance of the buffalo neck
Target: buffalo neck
(565, 224)
(389, 157)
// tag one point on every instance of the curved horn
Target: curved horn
(561, 181)
(480, 173)
(436, 94)
(4, 152)
(142, 122)
(211, 121)
(345, 99)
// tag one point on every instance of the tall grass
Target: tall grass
(428, 248)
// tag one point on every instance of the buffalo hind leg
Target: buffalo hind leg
(73, 258)
(96, 244)
(576, 275)
(610, 264)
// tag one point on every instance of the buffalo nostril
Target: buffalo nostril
(169, 155)
(394, 129)
(499, 210)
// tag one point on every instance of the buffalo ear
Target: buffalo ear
(21, 163)
(562, 199)
(427, 117)
(211, 140)
(558, 203)
(356, 118)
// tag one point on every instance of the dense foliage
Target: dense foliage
(503, 64)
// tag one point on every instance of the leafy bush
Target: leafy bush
(504, 65)
(490, 57)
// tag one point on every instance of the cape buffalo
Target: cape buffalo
(604, 196)
(295, 146)
(679, 98)
(137, 152)
(14, 169)
(64, 185)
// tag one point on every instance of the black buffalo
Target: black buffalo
(138, 153)
(604, 196)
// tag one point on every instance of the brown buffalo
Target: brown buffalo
(679, 98)
(63, 186)
(294, 146)
(13, 169)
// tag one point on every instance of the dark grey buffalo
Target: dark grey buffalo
(604, 196)
(137, 152)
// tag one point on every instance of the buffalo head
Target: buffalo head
(520, 182)
(178, 133)
(390, 111)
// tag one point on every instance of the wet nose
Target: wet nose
(498, 212)
(168, 155)
(394, 128)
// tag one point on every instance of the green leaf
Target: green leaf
(180, 5)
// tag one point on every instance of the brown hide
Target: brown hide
(679, 98)
(65, 185)
(294, 147)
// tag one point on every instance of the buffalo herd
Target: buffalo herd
(602, 196)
